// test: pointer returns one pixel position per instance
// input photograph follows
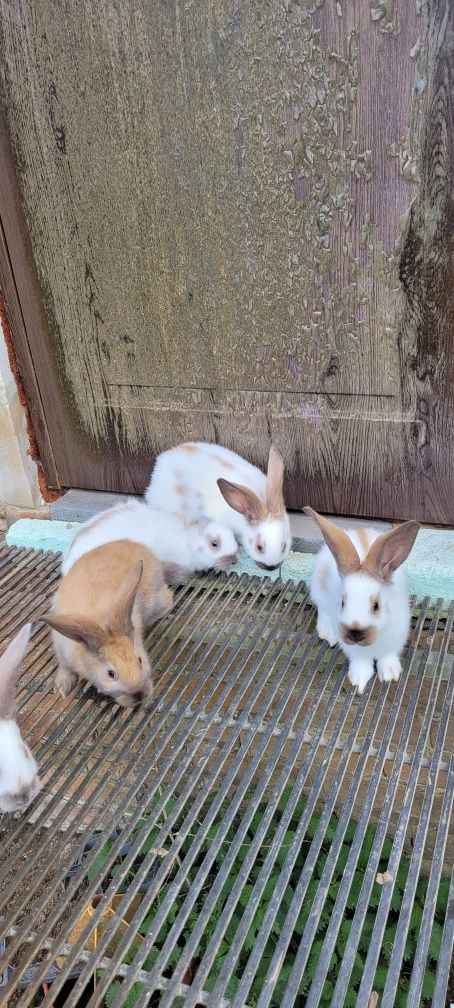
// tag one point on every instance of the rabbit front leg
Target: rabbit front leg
(65, 676)
(139, 647)
(325, 628)
(65, 680)
(141, 652)
(360, 670)
(389, 668)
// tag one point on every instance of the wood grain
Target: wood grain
(239, 231)
(13, 257)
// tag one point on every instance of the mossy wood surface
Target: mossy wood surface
(239, 227)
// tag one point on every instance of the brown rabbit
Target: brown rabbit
(98, 614)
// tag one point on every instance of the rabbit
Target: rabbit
(97, 618)
(360, 591)
(183, 545)
(207, 479)
(19, 781)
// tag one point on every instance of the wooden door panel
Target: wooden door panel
(232, 215)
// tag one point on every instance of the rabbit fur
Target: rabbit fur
(359, 587)
(183, 545)
(201, 479)
(98, 613)
(19, 780)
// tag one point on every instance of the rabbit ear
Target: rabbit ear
(274, 483)
(338, 542)
(10, 662)
(243, 500)
(390, 550)
(123, 603)
(82, 631)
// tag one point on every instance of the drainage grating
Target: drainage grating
(259, 836)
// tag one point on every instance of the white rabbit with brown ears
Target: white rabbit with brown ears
(200, 479)
(359, 587)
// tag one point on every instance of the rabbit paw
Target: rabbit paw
(359, 674)
(325, 629)
(65, 681)
(148, 689)
(389, 668)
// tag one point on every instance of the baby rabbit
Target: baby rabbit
(19, 781)
(98, 614)
(183, 545)
(207, 479)
(360, 591)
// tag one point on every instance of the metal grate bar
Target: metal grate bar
(275, 900)
(373, 861)
(103, 721)
(422, 948)
(24, 563)
(445, 956)
(29, 599)
(189, 821)
(369, 875)
(58, 822)
(264, 603)
(397, 849)
(374, 857)
(209, 957)
(301, 889)
(244, 783)
(417, 853)
(122, 970)
(248, 766)
(233, 849)
(41, 563)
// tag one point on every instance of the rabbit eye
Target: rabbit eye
(342, 601)
(139, 659)
(260, 547)
(215, 543)
(111, 673)
(376, 605)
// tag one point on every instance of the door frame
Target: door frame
(20, 289)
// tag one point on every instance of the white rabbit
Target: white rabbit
(181, 544)
(19, 781)
(207, 479)
(361, 594)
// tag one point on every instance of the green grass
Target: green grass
(246, 891)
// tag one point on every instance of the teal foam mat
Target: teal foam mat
(430, 567)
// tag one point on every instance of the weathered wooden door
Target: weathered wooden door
(234, 220)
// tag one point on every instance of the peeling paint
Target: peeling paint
(384, 13)
(206, 193)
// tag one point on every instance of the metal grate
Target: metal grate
(222, 846)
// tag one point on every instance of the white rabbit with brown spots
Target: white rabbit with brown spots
(201, 479)
(183, 545)
(98, 614)
(19, 781)
(359, 587)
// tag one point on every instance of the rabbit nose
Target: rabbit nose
(356, 634)
(268, 566)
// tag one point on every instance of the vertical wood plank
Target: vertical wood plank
(237, 221)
